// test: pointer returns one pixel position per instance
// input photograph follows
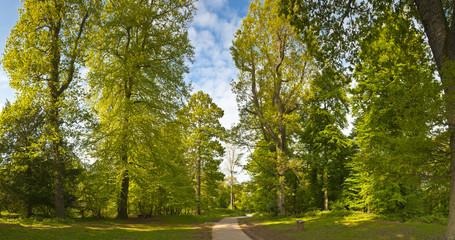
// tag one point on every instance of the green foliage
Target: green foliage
(26, 176)
(27, 172)
(325, 148)
(203, 131)
(398, 105)
(274, 73)
(42, 57)
(136, 72)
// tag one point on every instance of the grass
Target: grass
(340, 225)
(161, 227)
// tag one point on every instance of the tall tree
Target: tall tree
(274, 72)
(25, 175)
(322, 123)
(328, 20)
(43, 53)
(136, 74)
(233, 156)
(202, 119)
(397, 104)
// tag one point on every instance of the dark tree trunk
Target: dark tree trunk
(53, 121)
(122, 211)
(441, 37)
(29, 210)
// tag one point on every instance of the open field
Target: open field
(162, 227)
(339, 225)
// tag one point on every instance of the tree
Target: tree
(233, 161)
(136, 74)
(203, 130)
(322, 122)
(397, 104)
(327, 19)
(273, 74)
(42, 55)
(25, 175)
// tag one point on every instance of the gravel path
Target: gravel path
(227, 229)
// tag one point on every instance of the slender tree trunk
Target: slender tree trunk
(232, 189)
(325, 189)
(198, 187)
(281, 180)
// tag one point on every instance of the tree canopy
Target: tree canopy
(344, 105)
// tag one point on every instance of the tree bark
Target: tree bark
(53, 120)
(441, 37)
(325, 189)
(55, 91)
(122, 211)
(281, 179)
(198, 179)
(232, 188)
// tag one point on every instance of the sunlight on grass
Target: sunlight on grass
(163, 227)
(342, 225)
(356, 219)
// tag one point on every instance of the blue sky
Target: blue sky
(211, 33)
(8, 17)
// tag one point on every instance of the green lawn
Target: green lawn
(341, 225)
(163, 227)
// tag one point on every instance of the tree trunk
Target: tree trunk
(53, 121)
(29, 210)
(325, 189)
(232, 190)
(198, 187)
(281, 180)
(441, 37)
(59, 169)
(122, 210)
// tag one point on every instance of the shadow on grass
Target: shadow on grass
(98, 234)
(341, 226)
(98, 229)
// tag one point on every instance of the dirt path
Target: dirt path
(228, 228)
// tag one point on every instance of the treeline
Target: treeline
(304, 67)
(103, 123)
(127, 138)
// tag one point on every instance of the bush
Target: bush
(273, 209)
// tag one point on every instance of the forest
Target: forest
(104, 124)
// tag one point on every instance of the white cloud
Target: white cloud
(3, 77)
(4, 81)
(206, 19)
(211, 34)
(5, 91)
